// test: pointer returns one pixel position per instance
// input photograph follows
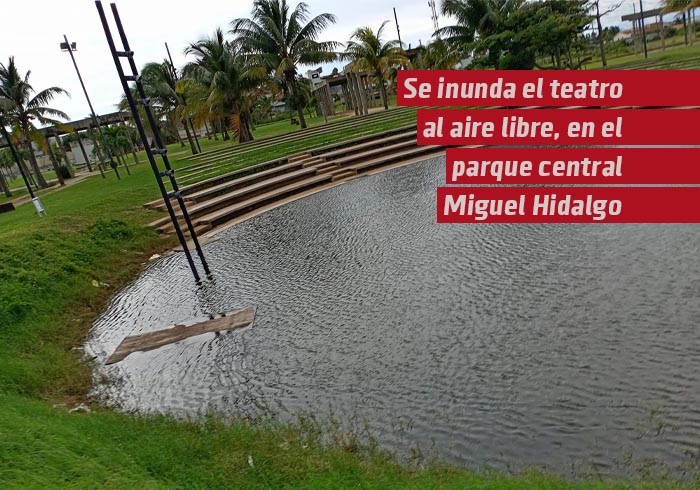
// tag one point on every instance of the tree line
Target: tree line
(234, 72)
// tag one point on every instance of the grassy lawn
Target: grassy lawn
(678, 52)
(266, 130)
(50, 448)
(96, 230)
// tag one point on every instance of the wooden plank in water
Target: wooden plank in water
(159, 338)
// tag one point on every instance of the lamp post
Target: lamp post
(70, 47)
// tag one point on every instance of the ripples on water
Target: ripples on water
(503, 345)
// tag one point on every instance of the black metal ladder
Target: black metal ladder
(160, 149)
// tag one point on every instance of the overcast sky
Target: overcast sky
(151, 23)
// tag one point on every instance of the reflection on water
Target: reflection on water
(505, 345)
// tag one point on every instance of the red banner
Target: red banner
(548, 88)
(573, 166)
(557, 127)
(568, 205)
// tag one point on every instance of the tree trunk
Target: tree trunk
(291, 80)
(176, 130)
(194, 134)
(691, 21)
(85, 155)
(685, 29)
(4, 187)
(601, 40)
(62, 148)
(193, 147)
(97, 150)
(135, 155)
(224, 129)
(126, 165)
(382, 91)
(28, 175)
(10, 172)
(243, 130)
(206, 130)
(663, 34)
(17, 159)
(35, 165)
(249, 124)
(55, 164)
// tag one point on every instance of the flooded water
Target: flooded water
(560, 346)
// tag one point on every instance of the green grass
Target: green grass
(266, 130)
(678, 53)
(49, 448)
(96, 230)
(245, 155)
(18, 182)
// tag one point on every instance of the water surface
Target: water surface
(506, 345)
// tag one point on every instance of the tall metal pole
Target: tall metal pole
(644, 32)
(398, 31)
(92, 111)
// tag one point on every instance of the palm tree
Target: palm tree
(683, 6)
(4, 155)
(438, 56)
(369, 53)
(280, 40)
(475, 19)
(197, 106)
(228, 78)
(160, 85)
(25, 107)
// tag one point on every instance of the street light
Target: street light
(70, 47)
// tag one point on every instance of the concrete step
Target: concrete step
(324, 164)
(373, 143)
(244, 193)
(299, 156)
(237, 183)
(312, 161)
(192, 187)
(354, 157)
(228, 213)
(406, 154)
(326, 170)
(343, 174)
(169, 229)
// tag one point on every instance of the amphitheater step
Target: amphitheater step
(344, 174)
(228, 213)
(313, 161)
(299, 156)
(325, 170)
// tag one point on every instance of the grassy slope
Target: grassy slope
(96, 230)
(671, 54)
